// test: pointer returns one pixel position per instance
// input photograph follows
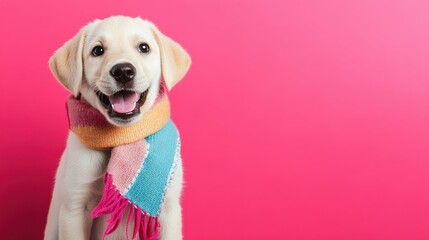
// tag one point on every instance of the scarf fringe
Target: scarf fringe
(113, 203)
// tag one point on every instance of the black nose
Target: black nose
(123, 72)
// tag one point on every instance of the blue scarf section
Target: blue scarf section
(147, 191)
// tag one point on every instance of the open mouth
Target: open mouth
(123, 104)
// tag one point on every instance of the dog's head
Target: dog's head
(117, 64)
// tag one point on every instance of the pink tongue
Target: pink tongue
(124, 102)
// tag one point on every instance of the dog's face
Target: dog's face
(117, 64)
(122, 68)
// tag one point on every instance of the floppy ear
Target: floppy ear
(66, 63)
(175, 61)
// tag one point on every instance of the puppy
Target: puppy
(86, 65)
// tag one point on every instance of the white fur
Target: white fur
(78, 186)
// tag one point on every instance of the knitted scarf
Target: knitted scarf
(143, 158)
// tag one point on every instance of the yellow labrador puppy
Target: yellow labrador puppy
(88, 66)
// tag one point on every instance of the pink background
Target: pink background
(299, 119)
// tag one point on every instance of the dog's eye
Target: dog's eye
(144, 48)
(97, 51)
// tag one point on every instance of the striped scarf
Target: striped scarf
(142, 162)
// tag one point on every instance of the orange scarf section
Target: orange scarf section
(105, 136)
